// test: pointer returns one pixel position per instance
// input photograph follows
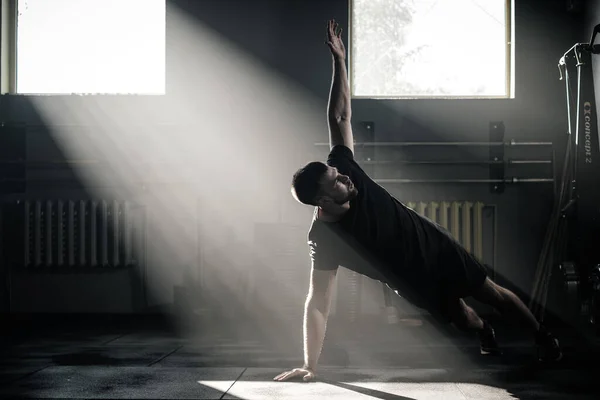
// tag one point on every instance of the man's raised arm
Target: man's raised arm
(339, 111)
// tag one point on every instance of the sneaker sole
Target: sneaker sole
(556, 359)
(494, 352)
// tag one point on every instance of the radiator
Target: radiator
(464, 220)
(95, 233)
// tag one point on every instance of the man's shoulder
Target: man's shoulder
(316, 226)
(341, 151)
(321, 231)
(315, 223)
(343, 159)
(340, 155)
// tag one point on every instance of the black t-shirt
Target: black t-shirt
(379, 236)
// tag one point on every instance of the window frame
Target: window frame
(509, 67)
(8, 46)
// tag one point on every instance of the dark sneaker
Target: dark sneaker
(487, 339)
(547, 346)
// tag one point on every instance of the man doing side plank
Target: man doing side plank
(359, 225)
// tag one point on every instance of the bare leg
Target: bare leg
(464, 317)
(511, 307)
(507, 303)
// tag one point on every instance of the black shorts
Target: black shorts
(458, 274)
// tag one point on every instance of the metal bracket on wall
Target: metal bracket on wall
(497, 157)
(368, 153)
(4, 277)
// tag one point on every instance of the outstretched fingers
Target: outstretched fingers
(295, 373)
(281, 376)
(285, 375)
(334, 33)
(332, 27)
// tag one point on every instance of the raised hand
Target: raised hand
(296, 374)
(334, 40)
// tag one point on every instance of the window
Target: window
(431, 49)
(90, 46)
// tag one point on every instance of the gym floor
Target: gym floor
(146, 359)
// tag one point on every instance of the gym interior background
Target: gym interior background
(175, 208)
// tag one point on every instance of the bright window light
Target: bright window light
(431, 48)
(91, 46)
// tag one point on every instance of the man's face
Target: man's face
(337, 187)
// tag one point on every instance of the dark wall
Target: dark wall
(591, 10)
(288, 37)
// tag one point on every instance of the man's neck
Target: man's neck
(331, 217)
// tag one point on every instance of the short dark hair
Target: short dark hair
(305, 183)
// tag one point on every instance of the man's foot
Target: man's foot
(487, 339)
(548, 347)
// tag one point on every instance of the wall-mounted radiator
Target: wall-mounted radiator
(464, 220)
(95, 233)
